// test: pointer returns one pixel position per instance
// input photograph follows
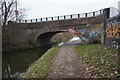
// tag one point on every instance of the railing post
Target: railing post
(19, 21)
(93, 13)
(36, 20)
(52, 18)
(41, 19)
(46, 19)
(85, 14)
(64, 17)
(71, 16)
(25, 21)
(78, 15)
(58, 17)
(100, 11)
(31, 20)
(108, 12)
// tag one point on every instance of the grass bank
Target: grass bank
(40, 68)
(101, 59)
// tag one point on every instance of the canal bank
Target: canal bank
(41, 67)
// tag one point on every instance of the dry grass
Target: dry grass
(100, 58)
(40, 68)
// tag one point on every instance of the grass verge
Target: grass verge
(102, 59)
(40, 68)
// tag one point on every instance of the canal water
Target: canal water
(15, 63)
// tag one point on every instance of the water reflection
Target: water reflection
(15, 63)
(61, 44)
(73, 41)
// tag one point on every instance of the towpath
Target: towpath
(67, 64)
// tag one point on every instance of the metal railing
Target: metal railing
(64, 17)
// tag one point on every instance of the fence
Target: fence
(64, 17)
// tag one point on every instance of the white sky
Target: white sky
(49, 8)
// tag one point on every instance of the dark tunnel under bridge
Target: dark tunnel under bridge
(45, 38)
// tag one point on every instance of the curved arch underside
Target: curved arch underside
(45, 38)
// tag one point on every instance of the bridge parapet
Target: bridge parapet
(112, 12)
(64, 17)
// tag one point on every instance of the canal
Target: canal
(15, 63)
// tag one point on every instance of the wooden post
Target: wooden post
(103, 36)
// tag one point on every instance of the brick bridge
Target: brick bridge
(38, 32)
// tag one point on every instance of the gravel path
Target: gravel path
(67, 64)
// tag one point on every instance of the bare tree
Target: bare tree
(10, 11)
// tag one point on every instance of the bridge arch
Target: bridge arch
(45, 38)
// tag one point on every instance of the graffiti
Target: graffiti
(90, 34)
(75, 32)
(113, 31)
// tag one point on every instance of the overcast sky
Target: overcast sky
(49, 8)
